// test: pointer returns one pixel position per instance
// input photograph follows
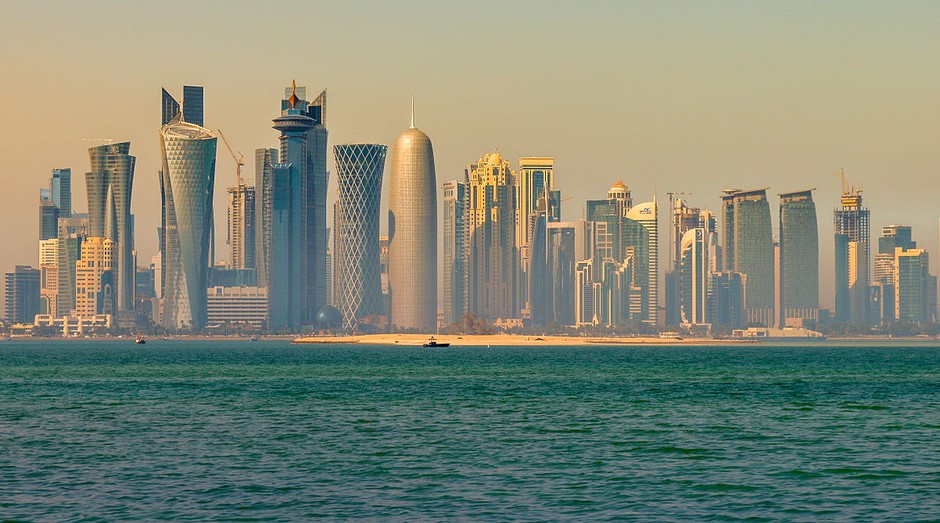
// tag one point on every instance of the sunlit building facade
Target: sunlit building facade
(852, 224)
(748, 249)
(799, 257)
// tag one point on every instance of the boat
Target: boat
(433, 343)
(140, 340)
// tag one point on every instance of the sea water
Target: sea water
(262, 431)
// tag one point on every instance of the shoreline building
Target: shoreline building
(696, 266)
(883, 290)
(356, 265)
(493, 256)
(412, 232)
(291, 190)
(682, 219)
(748, 249)
(647, 215)
(799, 259)
(94, 277)
(455, 254)
(241, 226)
(110, 183)
(188, 152)
(915, 288)
(852, 259)
(22, 294)
(538, 204)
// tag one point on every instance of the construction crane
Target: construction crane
(237, 156)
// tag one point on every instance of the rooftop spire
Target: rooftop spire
(412, 112)
(293, 94)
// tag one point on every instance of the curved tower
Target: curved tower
(358, 288)
(188, 152)
(412, 232)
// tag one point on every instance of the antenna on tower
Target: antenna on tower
(412, 112)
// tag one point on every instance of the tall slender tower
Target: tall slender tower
(455, 250)
(493, 263)
(412, 231)
(799, 257)
(287, 278)
(359, 169)
(748, 249)
(852, 224)
(264, 184)
(109, 186)
(188, 182)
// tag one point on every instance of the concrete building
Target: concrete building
(241, 226)
(94, 277)
(647, 215)
(852, 224)
(237, 306)
(412, 230)
(22, 295)
(799, 258)
(493, 259)
(538, 204)
(915, 300)
(71, 233)
(357, 282)
(748, 249)
(49, 276)
(187, 182)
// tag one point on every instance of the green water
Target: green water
(268, 431)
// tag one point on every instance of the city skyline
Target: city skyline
(824, 85)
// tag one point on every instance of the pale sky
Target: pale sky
(682, 96)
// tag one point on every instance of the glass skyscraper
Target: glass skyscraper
(799, 257)
(359, 170)
(188, 182)
(852, 224)
(455, 250)
(748, 249)
(109, 185)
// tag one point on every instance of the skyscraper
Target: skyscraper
(883, 270)
(567, 243)
(264, 185)
(287, 278)
(109, 186)
(852, 240)
(799, 257)
(455, 250)
(696, 265)
(60, 187)
(49, 275)
(412, 229)
(359, 169)
(493, 263)
(71, 233)
(48, 218)
(748, 249)
(915, 299)
(188, 181)
(317, 187)
(647, 215)
(22, 294)
(241, 226)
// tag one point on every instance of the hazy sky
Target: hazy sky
(683, 96)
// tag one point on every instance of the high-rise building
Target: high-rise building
(60, 188)
(567, 243)
(94, 277)
(22, 294)
(647, 215)
(264, 187)
(71, 233)
(291, 192)
(538, 204)
(683, 218)
(49, 275)
(412, 229)
(727, 299)
(48, 218)
(696, 265)
(799, 257)
(493, 262)
(883, 270)
(241, 226)
(748, 249)
(915, 296)
(852, 253)
(109, 184)
(358, 292)
(455, 251)
(188, 181)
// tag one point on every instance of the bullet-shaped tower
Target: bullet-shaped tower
(412, 232)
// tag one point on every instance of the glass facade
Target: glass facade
(799, 257)
(454, 251)
(852, 239)
(189, 153)
(359, 170)
(109, 185)
(748, 249)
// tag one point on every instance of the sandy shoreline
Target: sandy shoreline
(412, 340)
